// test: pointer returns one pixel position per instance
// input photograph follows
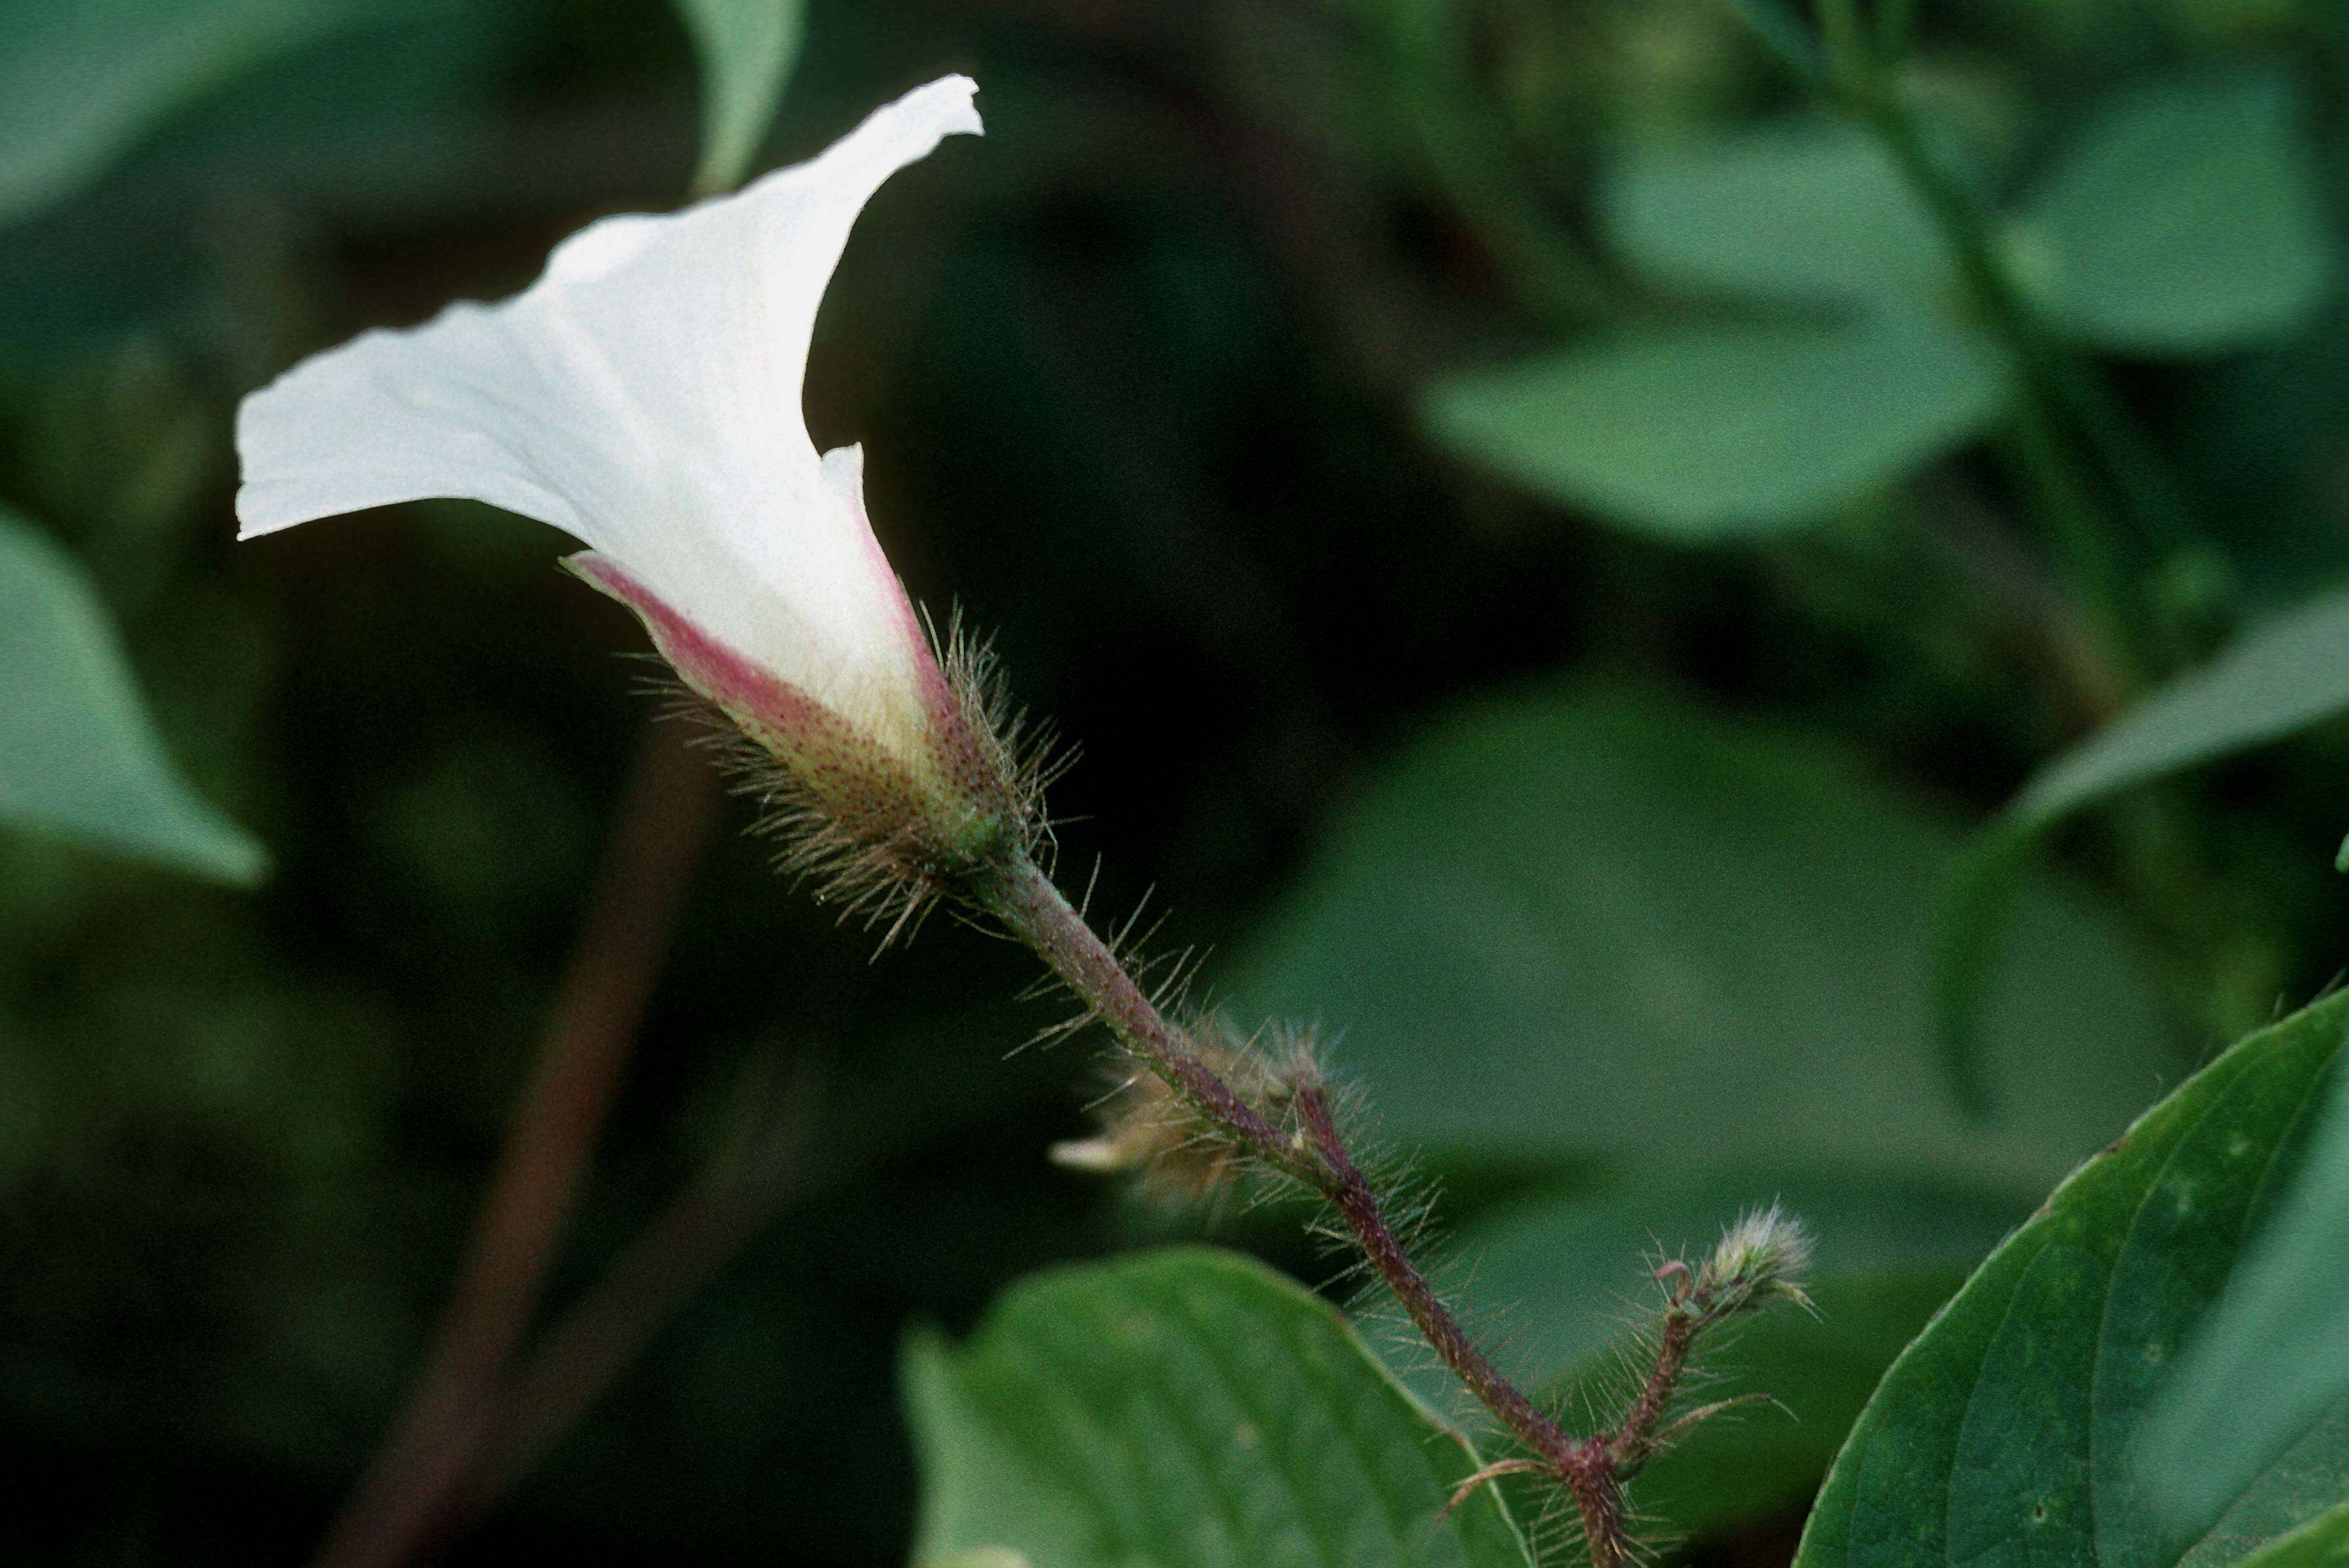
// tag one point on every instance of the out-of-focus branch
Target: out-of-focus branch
(664, 823)
(2056, 398)
(577, 1358)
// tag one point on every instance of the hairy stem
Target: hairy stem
(1023, 897)
(1359, 1205)
(1637, 1439)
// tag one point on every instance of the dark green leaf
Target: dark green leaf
(2007, 1433)
(747, 49)
(2186, 219)
(1706, 433)
(1186, 1408)
(1581, 923)
(2275, 1354)
(1970, 915)
(81, 81)
(1811, 213)
(2281, 677)
(77, 754)
(1562, 1276)
(1786, 33)
(2320, 1544)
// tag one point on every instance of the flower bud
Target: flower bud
(1761, 1259)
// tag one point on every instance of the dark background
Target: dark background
(1134, 374)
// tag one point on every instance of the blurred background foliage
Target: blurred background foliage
(1545, 557)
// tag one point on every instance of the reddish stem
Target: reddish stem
(1359, 1205)
(1025, 900)
(1635, 1440)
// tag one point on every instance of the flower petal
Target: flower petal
(644, 396)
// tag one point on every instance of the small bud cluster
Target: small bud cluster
(1761, 1259)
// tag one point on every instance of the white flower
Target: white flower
(644, 395)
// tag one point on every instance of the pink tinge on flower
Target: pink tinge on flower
(767, 708)
(644, 396)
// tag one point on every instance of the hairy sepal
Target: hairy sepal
(890, 824)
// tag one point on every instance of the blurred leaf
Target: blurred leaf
(1582, 923)
(1562, 1276)
(2185, 221)
(1811, 213)
(747, 49)
(81, 81)
(2274, 1356)
(392, 122)
(1786, 33)
(78, 754)
(2005, 1434)
(2320, 1543)
(80, 274)
(1706, 433)
(2281, 677)
(1970, 915)
(1184, 1408)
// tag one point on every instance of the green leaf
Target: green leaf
(1969, 914)
(2281, 677)
(2185, 221)
(77, 754)
(1704, 433)
(81, 81)
(2320, 1543)
(1783, 32)
(1560, 1276)
(399, 115)
(1579, 923)
(1185, 1409)
(1811, 215)
(2007, 1433)
(2275, 1354)
(747, 49)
